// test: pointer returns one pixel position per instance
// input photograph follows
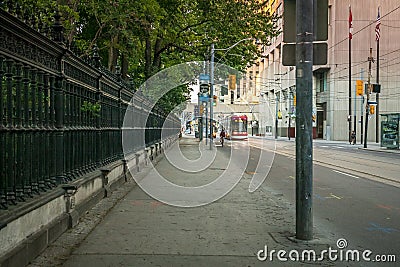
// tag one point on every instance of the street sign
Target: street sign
(204, 77)
(320, 51)
(205, 89)
(204, 99)
(320, 11)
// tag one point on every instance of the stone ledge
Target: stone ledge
(75, 199)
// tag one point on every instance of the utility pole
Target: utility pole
(361, 110)
(370, 60)
(355, 116)
(304, 153)
(276, 116)
(377, 95)
(199, 127)
(211, 93)
(350, 37)
(290, 113)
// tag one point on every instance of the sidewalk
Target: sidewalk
(141, 231)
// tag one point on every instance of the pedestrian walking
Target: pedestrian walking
(222, 136)
(353, 138)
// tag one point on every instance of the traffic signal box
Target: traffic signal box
(201, 110)
(232, 82)
(375, 88)
(359, 87)
(371, 109)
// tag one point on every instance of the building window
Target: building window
(321, 81)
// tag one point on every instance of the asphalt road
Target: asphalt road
(346, 204)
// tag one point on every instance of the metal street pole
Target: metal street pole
(350, 117)
(198, 115)
(276, 116)
(355, 116)
(304, 153)
(211, 93)
(377, 95)
(206, 111)
(290, 113)
(370, 60)
(361, 110)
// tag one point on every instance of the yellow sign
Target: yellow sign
(294, 100)
(360, 87)
(232, 82)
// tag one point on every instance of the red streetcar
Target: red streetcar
(235, 127)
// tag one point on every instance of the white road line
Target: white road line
(347, 174)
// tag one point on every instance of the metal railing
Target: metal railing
(60, 117)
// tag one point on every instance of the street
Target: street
(348, 199)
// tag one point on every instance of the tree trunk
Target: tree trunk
(157, 55)
(112, 54)
(147, 55)
(124, 67)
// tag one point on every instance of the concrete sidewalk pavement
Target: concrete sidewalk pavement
(141, 231)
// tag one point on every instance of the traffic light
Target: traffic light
(360, 87)
(371, 109)
(232, 82)
(215, 100)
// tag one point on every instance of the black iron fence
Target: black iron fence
(60, 116)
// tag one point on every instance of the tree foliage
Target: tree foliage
(146, 36)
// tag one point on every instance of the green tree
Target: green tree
(146, 36)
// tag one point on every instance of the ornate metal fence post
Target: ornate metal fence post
(58, 29)
(40, 133)
(34, 142)
(52, 142)
(3, 185)
(27, 158)
(19, 159)
(10, 137)
(46, 125)
(59, 124)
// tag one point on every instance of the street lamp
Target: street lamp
(212, 80)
